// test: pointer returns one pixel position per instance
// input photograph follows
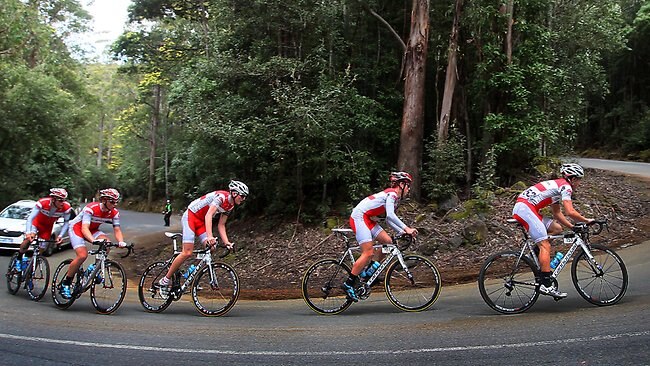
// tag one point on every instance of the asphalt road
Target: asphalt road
(459, 329)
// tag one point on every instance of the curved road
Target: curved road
(458, 330)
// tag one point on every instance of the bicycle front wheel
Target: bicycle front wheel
(57, 281)
(108, 288)
(13, 275)
(149, 290)
(417, 290)
(508, 284)
(321, 287)
(601, 283)
(38, 278)
(215, 291)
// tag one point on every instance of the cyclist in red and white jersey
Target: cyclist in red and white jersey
(45, 213)
(85, 228)
(556, 193)
(367, 230)
(197, 221)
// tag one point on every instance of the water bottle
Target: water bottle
(556, 260)
(370, 269)
(189, 271)
(89, 270)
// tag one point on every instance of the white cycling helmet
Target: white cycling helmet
(239, 187)
(572, 171)
(59, 193)
(110, 193)
(400, 177)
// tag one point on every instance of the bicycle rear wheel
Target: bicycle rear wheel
(108, 288)
(603, 285)
(418, 292)
(13, 275)
(508, 284)
(57, 281)
(321, 287)
(38, 278)
(215, 292)
(148, 288)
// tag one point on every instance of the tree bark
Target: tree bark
(412, 131)
(451, 78)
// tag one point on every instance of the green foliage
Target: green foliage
(446, 169)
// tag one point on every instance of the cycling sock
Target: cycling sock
(67, 281)
(546, 279)
(164, 281)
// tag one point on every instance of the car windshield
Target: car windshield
(16, 212)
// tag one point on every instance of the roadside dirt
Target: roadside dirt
(270, 263)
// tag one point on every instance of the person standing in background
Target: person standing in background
(167, 212)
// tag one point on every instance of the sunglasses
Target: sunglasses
(112, 201)
(58, 199)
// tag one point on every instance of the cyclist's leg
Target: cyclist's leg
(81, 253)
(192, 226)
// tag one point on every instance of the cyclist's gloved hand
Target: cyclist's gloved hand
(122, 244)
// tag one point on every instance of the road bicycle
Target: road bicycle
(411, 282)
(509, 281)
(214, 285)
(35, 276)
(105, 278)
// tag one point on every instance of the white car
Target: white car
(13, 220)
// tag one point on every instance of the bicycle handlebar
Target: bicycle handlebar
(109, 244)
(407, 238)
(584, 227)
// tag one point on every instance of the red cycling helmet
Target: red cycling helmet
(59, 193)
(110, 193)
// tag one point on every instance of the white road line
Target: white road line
(329, 353)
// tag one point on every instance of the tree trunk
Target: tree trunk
(412, 131)
(155, 122)
(509, 10)
(100, 143)
(451, 78)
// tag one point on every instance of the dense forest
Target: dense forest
(312, 103)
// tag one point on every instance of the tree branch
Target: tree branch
(384, 22)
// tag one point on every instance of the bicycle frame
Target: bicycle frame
(205, 257)
(578, 240)
(391, 250)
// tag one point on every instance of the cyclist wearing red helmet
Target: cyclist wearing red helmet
(556, 193)
(45, 213)
(85, 228)
(197, 221)
(367, 230)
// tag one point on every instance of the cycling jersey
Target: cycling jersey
(378, 204)
(193, 219)
(92, 215)
(533, 199)
(547, 192)
(44, 215)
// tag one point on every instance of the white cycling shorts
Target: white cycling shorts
(188, 230)
(536, 225)
(365, 229)
(76, 241)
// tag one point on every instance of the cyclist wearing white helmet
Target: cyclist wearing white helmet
(556, 193)
(85, 228)
(197, 221)
(367, 230)
(45, 213)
